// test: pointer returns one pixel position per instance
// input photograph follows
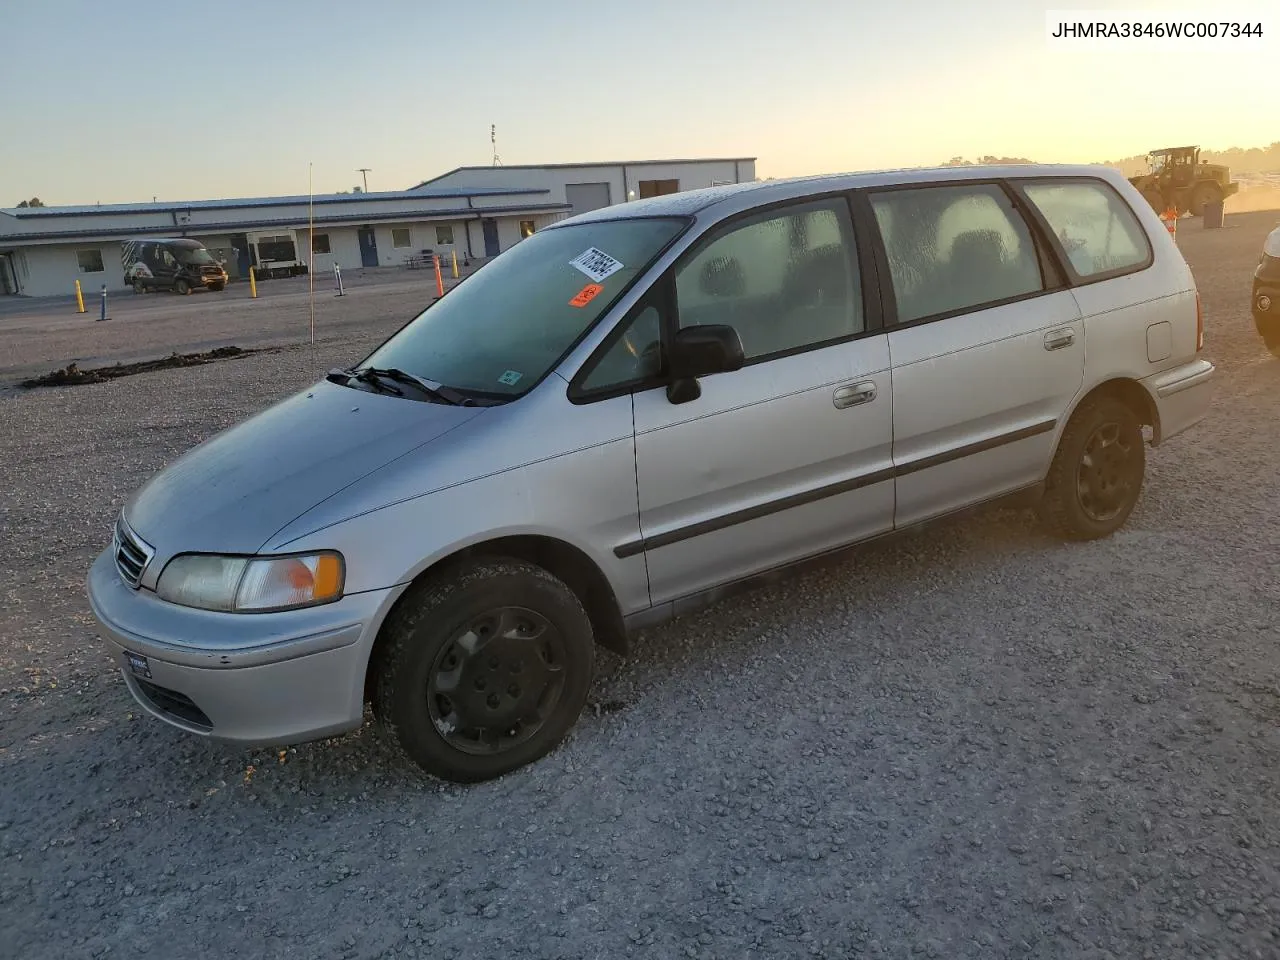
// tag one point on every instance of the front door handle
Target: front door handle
(1057, 339)
(850, 396)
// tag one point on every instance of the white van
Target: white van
(630, 414)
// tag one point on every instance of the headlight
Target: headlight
(252, 585)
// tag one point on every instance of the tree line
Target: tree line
(1239, 159)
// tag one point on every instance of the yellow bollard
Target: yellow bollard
(455, 264)
(79, 298)
(253, 284)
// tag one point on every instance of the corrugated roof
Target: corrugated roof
(164, 206)
(596, 163)
(201, 229)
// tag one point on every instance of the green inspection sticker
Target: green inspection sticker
(510, 377)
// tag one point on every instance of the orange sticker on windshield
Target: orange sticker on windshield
(586, 295)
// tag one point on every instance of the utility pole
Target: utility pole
(364, 172)
(493, 139)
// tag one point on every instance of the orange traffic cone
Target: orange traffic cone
(1170, 218)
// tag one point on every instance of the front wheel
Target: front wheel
(1097, 472)
(181, 288)
(485, 669)
(1202, 196)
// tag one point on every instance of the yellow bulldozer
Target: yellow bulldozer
(1178, 179)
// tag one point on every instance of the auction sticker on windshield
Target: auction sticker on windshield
(586, 295)
(596, 264)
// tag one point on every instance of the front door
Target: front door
(165, 266)
(368, 247)
(987, 346)
(491, 246)
(791, 455)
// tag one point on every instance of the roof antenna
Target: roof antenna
(493, 139)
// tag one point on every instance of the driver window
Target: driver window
(785, 280)
(634, 357)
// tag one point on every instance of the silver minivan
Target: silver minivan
(628, 415)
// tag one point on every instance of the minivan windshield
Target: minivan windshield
(501, 330)
(195, 257)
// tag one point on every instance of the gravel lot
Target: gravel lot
(970, 742)
(41, 335)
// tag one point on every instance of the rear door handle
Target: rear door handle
(1057, 339)
(855, 394)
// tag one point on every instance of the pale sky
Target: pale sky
(110, 102)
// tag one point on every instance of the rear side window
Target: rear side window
(1097, 229)
(955, 248)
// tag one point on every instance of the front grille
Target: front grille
(132, 553)
(173, 703)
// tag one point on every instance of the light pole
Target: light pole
(364, 173)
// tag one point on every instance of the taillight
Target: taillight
(1199, 324)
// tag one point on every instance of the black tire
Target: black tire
(181, 288)
(1097, 472)
(215, 287)
(1203, 194)
(139, 286)
(424, 668)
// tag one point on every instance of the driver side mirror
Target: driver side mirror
(701, 351)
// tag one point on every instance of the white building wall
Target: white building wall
(52, 271)
(344, 249)
(623, 179)
(389, 255)
(473, 240)
(508, 232)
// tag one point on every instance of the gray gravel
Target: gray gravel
(970, 742)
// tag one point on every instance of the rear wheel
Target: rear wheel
(181, 288)
(138, 285)
(485, 669)
(1096, 476)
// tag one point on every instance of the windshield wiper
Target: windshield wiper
(437, 391)
(338, 375)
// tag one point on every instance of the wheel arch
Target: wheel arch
(562, 560)
(1133, 395)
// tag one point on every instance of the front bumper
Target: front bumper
(1264, 299)
(252, 679)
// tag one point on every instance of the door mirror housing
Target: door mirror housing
(701, 351)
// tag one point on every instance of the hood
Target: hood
(1271, 245)
(232, 492)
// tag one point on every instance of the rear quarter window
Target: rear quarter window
(954, 249)
(1096, 229)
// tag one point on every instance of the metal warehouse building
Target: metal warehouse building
(475, 212)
